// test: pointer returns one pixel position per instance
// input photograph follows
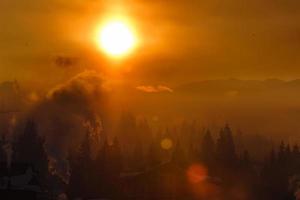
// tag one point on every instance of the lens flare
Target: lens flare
(166, 144)
(196, 173)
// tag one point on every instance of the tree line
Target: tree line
(136, 152)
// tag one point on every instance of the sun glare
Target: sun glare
(116, 38)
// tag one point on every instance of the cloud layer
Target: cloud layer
(154, 89)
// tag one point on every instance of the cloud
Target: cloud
(65, 61)
(154, 89)
(68, 112)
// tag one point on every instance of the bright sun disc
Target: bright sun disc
(116, 38)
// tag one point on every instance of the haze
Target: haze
(45, 43)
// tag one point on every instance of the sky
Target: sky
(185, 48)
(181, 41)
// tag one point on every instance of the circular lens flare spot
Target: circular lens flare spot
(196, 173)
(166, 144)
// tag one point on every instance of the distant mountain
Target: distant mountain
(259, 106)
(243, 86)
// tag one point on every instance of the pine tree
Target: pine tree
(3, 156)
(226, 154)
(137, 161)
(281, 153)
(127, 127)
(127, 132)
(116, 158)
(245, 159)
(296, 158)
(179, 157)
(230, 146)
(81, 169)
(114, 169)
(101, 168)
(225, 146)
(144, 134)
(153, 157)
(273, 157)
(106, 169)
(207, 149)
(30, 149)
(221, 145)
(74, 189)
(295, 150)
(288, 152)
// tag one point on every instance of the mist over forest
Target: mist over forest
(149, 100)
(211, 103)
(209, 128)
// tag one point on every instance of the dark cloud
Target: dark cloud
(65, 61)
(69, 111)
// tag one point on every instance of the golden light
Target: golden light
(116, 38)
(166, 144)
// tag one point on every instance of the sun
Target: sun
(116, 38)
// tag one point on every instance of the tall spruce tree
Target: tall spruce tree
(208, 149)
(225, 149)
(3, 156)
(29, 148)
(81, 169)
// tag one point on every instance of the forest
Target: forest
(186, 161)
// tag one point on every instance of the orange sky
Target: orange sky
(182, 40)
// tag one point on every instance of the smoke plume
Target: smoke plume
(66, 114)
